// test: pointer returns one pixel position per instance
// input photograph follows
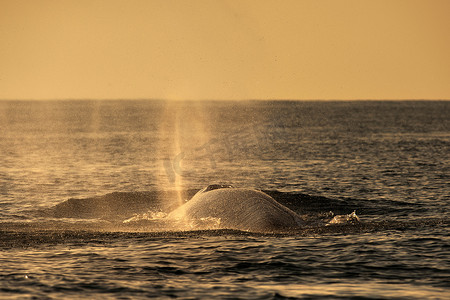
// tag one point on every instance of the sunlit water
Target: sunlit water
(389, 161)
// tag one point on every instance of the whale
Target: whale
(238, 208)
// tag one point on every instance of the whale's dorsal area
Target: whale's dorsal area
(239, 208)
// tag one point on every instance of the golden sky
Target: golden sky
(238, 49)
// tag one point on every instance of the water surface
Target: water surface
(116, 160)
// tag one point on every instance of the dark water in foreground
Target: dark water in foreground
(226, 264)
(121, 164)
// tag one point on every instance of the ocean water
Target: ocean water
(85, 187)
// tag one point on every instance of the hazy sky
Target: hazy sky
(189, 49)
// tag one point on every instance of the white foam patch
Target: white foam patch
(344, 219)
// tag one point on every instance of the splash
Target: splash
(159, 222)
(344, 219)
(148, 216)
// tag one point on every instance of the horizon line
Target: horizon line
(222, 100)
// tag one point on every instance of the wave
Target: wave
(52, 233)
(146, 212)
(119, 206)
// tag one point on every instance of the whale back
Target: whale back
(237, 208)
